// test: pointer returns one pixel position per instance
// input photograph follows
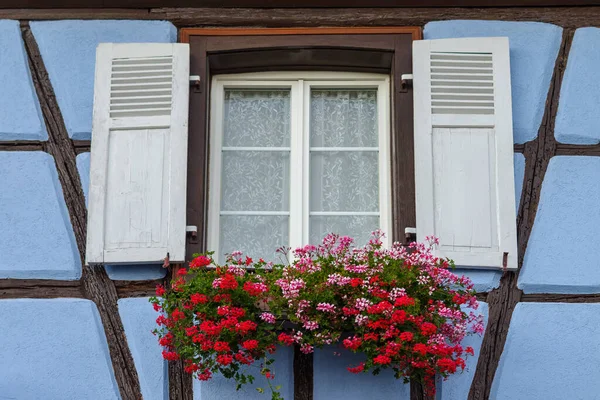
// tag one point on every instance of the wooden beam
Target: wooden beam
(303, 375)
(95, 283)
(561, 298)
(82, 146)
(568, 17)
(22, 145)
(137, 288)
(180, 382)
(288, 3)
(39, 289)
(563, 149)
(503, 300)
(307, 17)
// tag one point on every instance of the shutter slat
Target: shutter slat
(464, 149)
(138, 154)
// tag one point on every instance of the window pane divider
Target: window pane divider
(232, 148)
(257, 213)
(344, 213)
(344, 149)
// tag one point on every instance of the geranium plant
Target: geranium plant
(402, 308)
(214, 319)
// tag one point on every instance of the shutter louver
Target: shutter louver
(464, 150)
(139, 154)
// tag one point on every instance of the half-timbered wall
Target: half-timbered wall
(74, 332)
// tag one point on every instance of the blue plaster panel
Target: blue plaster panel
(219, 388)
(457, 386)
(578, 120)
(533, 50)
(484, 280)
(333, 381)
(563, 255)
(519, 175)
(54, 350)
(551, 353)
(20, 115)
(36, 239)
(139, 318)
(69, 52)
(118, 272)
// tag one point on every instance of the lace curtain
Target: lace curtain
(255, 186)
(343, 163)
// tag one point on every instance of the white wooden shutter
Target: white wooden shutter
(465, 192)
(137, 198)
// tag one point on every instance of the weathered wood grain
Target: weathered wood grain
(180, 382)
(39, 289)
(95, 283)
(568, 17)
(136, 288)
(292, 3)
(577, 150)
(503, 300)
(22, 145)
(303, 375)
(417, 392)
(561, 298)
(306, 17)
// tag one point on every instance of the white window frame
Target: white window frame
(300, 84)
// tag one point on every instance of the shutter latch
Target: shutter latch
(405, 82)
(192, 232)
(410, 235)
(195, 83)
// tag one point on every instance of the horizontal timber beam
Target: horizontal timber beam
(284, 17)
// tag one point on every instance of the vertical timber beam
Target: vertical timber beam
(180, 382)
(303, 375)
(95, 282)
(503, 300)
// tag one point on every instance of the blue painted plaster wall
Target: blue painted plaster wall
(36, 239)
(118, 272)
(69, 52)
(533, 50)
(457, 386)
(139, 318)
(20, 115)
(54, 350)
(563, 254)
(333, 381)
(219, 388)
(551, 353)
(578, 119)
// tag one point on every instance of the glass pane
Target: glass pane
(358, 227)
(255, 181)
(344, 181)
(256, 236)
(257, 118)
(343, 118)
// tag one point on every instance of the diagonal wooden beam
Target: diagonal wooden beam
(95, 283)
(503, 300)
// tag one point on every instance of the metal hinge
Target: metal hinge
(195, 83)
(405, 82)
(192, 232)
(410, 235)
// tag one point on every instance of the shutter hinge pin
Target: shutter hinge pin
(410, 235)
(505, 261)
(195, 82)
(405, 82)
(192, 232)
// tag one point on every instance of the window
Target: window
(447, 169)
(295, 156)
